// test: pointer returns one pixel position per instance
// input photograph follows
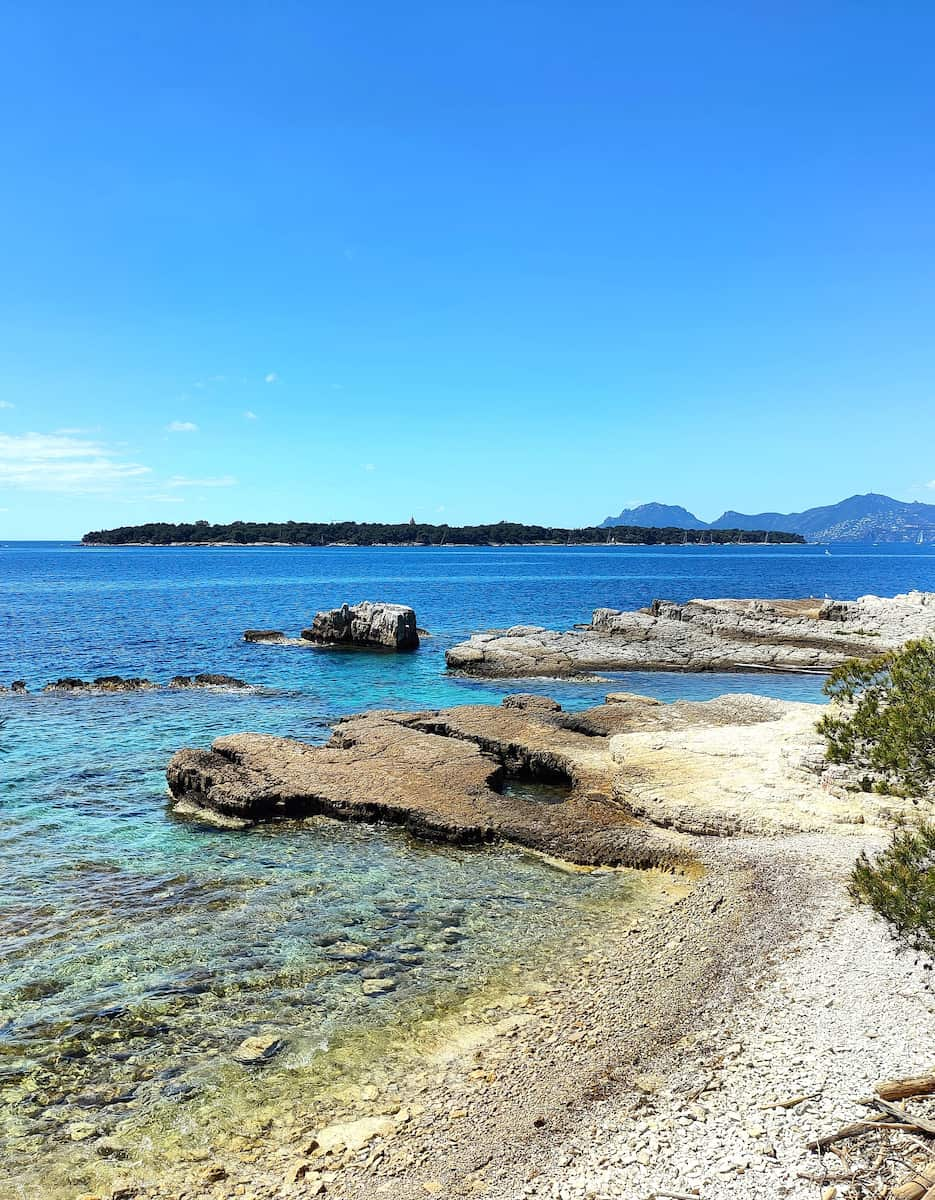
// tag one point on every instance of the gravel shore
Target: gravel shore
(625, 1083)
(830, 1009)
(647, 1071)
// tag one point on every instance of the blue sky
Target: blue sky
(529, 261)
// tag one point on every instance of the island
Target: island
(412, 533)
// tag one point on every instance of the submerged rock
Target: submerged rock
(253, 1051)
(389, 626)
(705, 635)
(81, 1131)
(352, 1135)
(378, 987)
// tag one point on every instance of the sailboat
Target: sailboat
(921, 538)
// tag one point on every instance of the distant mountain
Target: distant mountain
(661, 516)
(869, 518)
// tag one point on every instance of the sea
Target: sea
(139, 948)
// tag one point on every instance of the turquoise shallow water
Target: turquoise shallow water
(138, 949)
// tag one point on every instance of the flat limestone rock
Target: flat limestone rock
(626, 780)
(384, 626)
(353, 1135)
(705, 635)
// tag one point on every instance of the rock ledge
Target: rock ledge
(626, 779)
(705, 635)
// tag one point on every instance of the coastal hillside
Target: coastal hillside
(353, 533)
(864, 518)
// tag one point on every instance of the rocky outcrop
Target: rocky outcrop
(384, 626)
(264, 635)
(118, 683)
(103, 683)
(226, 683)
(625, 780)
(705, 635)
(445, 775)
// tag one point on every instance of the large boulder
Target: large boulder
(388, 626)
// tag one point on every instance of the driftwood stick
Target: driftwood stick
(911, 1119)
(902, 1089)
(915, 1185)
(791, 1102)
(820, 1177)
(847, 1131)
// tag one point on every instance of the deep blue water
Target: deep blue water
(181, 940)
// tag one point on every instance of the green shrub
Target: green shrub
(900, 885)
(884, 718)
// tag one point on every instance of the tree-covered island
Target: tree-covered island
(374, 533)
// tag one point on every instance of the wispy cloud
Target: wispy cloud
(931, 484)
(6, 404)
(272, 377)
(212, 481)
(162, 498)
(370, 466)
(58, 462)
(250, 415)
(181, 427)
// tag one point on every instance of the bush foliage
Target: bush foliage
(884, 720)
(900, 885)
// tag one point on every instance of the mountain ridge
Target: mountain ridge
(867, 517)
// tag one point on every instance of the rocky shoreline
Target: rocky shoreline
(626, 1069)
(620, 784)
(626, 1076)
(619, 1072)
(704, 635)
(649, 1068)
